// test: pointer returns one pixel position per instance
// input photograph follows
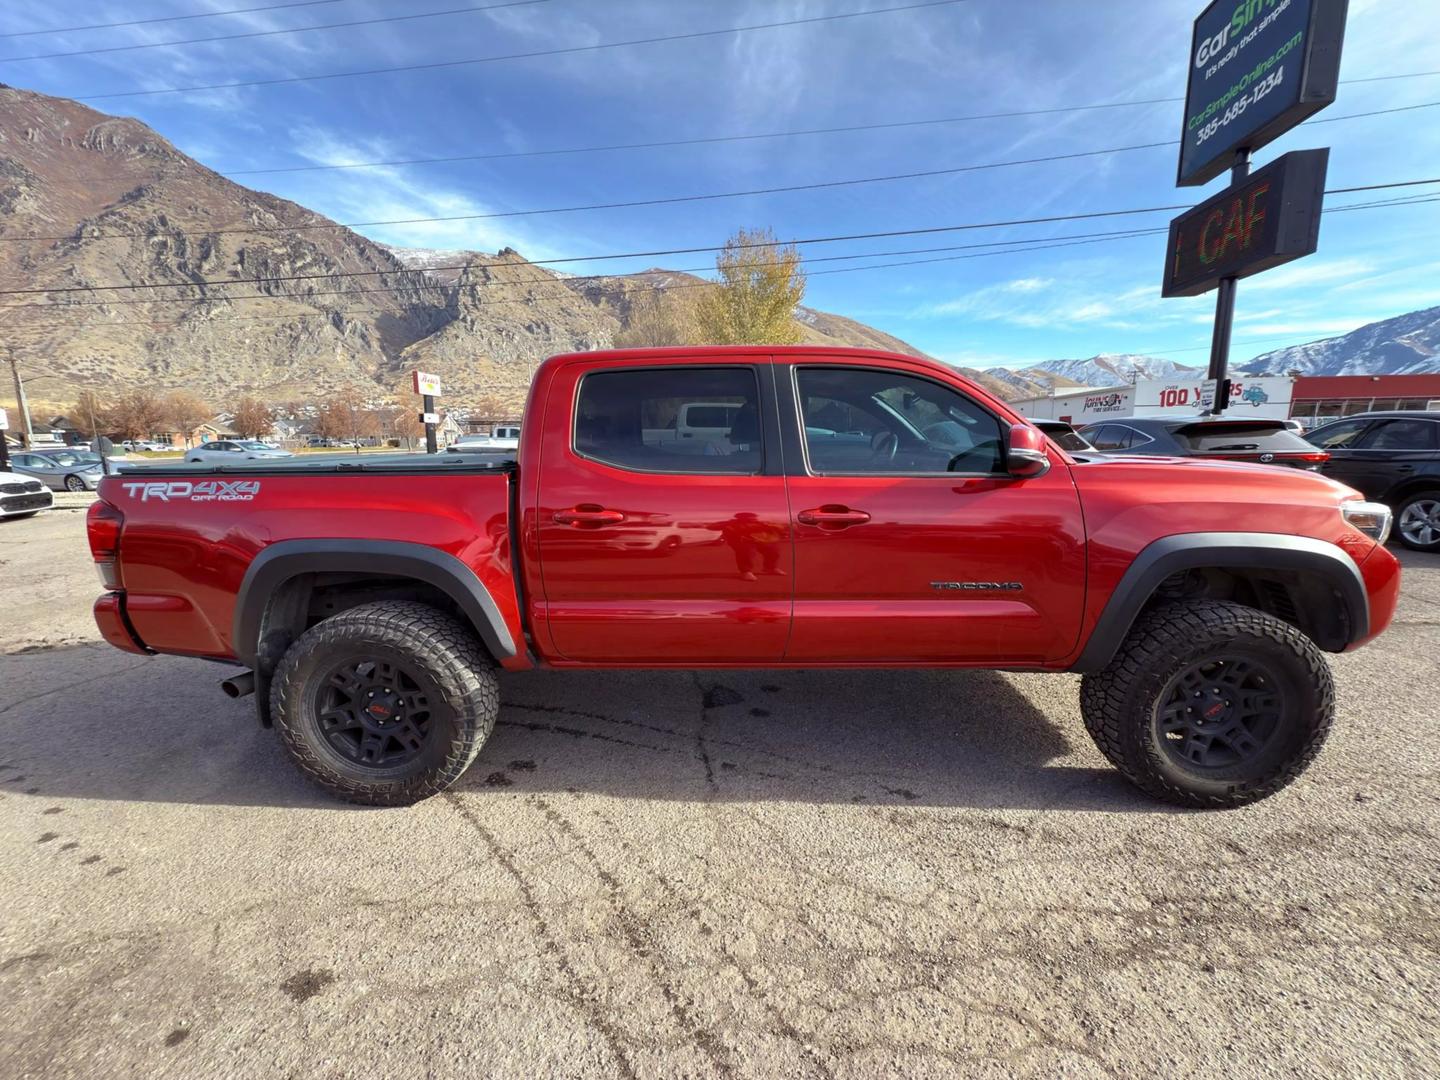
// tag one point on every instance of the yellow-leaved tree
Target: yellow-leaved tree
(761, 284)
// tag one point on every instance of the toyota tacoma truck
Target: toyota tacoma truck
(861, 509)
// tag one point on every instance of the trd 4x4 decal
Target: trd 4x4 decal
(194, 491)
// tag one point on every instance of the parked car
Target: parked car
(143, 445)
(21, 495)
(221, 451)
(1394, 458)
(374, 617)
(480, 443)
(1269, 442)
(63, 470)
(1065, 436)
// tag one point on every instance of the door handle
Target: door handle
(1405, 468)
(834, 517)
(588, 514)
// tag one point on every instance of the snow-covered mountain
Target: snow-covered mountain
(1107, 369)
(1405, 345)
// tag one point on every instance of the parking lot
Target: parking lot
(664, 874)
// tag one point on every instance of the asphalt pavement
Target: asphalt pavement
(726, 873)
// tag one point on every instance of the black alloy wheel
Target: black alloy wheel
(1219, 713)
(374, 711)
(1209, 703)
(385, 703)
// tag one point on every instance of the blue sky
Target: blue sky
(975, 57)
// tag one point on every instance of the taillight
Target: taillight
(103, 523)
(1319, 456)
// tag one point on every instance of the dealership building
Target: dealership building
(1311, 399)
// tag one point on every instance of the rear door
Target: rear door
(657, 549)
(911, 542)
(1391, 451)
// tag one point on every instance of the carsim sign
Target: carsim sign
(1257, 68)
(1267, 219)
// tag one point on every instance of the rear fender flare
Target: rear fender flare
(282, 561)
(1224, 550)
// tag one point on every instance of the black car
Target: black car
(1269, 442)
(1394, 458)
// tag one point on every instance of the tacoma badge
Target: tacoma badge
(986, 586)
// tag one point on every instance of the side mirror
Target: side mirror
(1025, 453)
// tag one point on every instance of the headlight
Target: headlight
(1373, 519)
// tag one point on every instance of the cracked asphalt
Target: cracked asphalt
(660, 874)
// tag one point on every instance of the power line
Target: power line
(167, 18)
(1097, 214)
(1011, 247)
(665, 201)
(1018, 244)
(772, 135)
(536, 54)
(1039, 244)
(536, 262)
(270, 33)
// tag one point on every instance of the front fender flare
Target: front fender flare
(1231, 550)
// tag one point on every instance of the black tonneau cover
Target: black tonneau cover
(449, 462)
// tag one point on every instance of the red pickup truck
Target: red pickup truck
(855, 509)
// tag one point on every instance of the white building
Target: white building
(1268, 398)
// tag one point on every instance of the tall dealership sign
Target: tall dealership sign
(1257, 68)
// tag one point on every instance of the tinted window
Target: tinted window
(1109, 437)
(631, 419)
(1271, 438)
(861, 421)
(1337, 436)
(1401, 435)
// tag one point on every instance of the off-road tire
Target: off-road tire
(424, 640)
(1413, 497)
(1120, 703)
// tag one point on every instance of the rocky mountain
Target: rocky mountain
(90, 201)
(1405, 345)
(1106, 369)
(1029, 382)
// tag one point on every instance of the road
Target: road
(664, 874)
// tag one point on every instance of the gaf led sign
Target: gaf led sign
(1271, 217)
(1257, 68)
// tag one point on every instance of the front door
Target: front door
(911, 542)
(661, 542)
(1346, 464)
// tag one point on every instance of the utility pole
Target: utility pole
(26, 432)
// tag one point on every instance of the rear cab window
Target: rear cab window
(671, 419)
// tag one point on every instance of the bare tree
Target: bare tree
(137, 414)
(90, 415)
(658, 317)
(253, 418)
(185, 411)
(346, 417)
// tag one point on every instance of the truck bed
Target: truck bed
(194, 536)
